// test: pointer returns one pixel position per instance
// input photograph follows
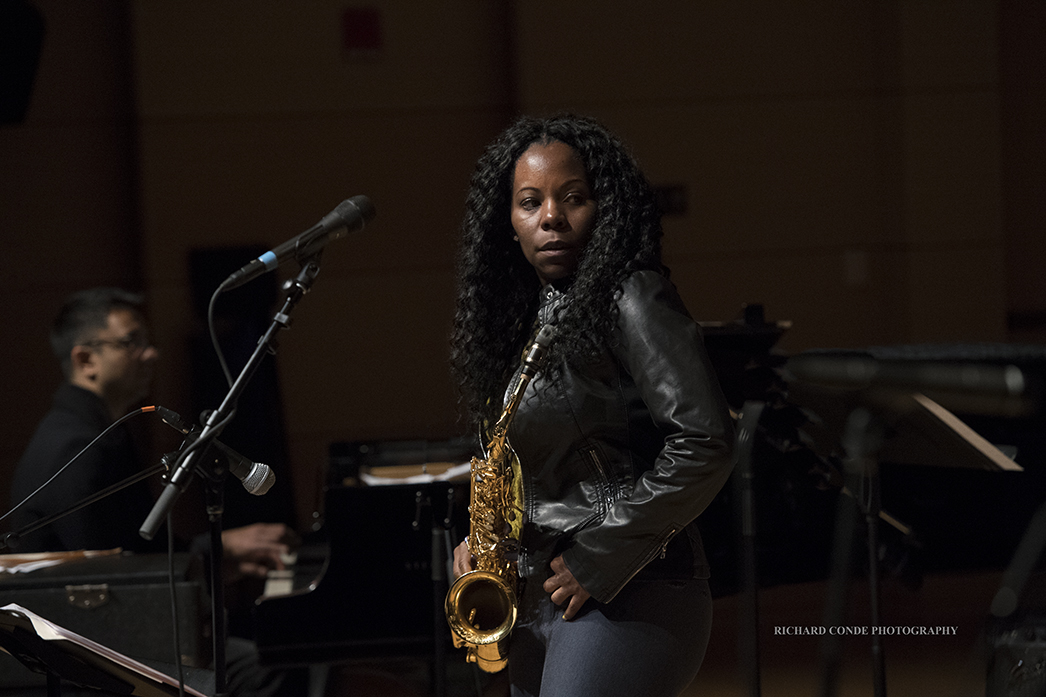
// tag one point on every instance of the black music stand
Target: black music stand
(874, 424)
(62, 655)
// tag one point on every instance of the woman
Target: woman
(623, 438)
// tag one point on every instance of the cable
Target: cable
(214, 334)
(116, 423)
(174, 607)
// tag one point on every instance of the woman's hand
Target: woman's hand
(463, 560)
(563, 587)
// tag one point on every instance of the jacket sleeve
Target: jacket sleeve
(661, 348)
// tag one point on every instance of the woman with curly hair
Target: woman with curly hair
(621, 441)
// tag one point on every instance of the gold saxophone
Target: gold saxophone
(481, 605)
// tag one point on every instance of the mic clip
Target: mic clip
(209, 464)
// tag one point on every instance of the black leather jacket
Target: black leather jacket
(619, 458)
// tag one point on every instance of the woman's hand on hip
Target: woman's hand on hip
(563, 587)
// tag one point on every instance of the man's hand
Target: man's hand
(564, 587)
(254, 550)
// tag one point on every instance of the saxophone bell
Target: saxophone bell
(482, 607)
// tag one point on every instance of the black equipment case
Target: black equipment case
(120, 601)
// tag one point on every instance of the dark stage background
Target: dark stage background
(871, 171)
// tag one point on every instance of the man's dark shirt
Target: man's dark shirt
(77, 416)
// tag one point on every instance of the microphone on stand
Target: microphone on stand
(257, 478)
(350, 215)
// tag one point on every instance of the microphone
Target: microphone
(350, 215)
(257, 478)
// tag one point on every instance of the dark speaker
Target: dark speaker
(21, 38)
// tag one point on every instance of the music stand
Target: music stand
(872, 424)
(45, 647)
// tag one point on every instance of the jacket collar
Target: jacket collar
(550, 300)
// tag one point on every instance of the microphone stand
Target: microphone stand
(743, 489)
(10, 540)
(862, 439)
(212, 470)
(215, 502)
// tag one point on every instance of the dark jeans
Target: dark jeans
(650, 640)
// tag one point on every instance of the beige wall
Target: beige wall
(842, 162)
(841, 159)
(252, 136)
(1023, 154)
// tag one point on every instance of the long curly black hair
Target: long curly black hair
(497, 287)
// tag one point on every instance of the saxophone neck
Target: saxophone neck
(533, 361)
(535, 358)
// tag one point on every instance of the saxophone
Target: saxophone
(481, 605)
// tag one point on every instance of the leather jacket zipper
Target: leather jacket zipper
(609, 490)
(664, 546)
(661, 549)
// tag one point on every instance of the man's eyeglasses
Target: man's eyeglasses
(135, 342)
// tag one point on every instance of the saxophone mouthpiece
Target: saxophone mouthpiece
(544, 337)
(536, 354)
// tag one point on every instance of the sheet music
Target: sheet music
(52, 632)
(413, 474)
(24, 563)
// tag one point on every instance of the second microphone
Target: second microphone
(257, 478)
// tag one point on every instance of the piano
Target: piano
(372, 582)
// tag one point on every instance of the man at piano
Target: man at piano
(101, 341)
